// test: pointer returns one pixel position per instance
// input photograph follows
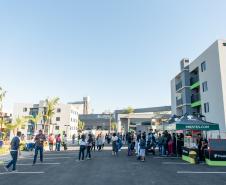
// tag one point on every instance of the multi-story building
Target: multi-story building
(200, 87)
(64, 121)
(83, 107)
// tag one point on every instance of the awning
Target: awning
(189, 122)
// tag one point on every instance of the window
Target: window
(206, 107)
(57, 118)
(224, 44)
(25, 109)
(203, 66)
(58, 110)
(57, 127)
(204, 87)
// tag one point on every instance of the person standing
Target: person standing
(114, 144)
(51, 141)
(73, 139)
(58, 142)
(14, 151)
(89, 146)
(142, 144)
(39, 145)
(65, 142)
(82, 144)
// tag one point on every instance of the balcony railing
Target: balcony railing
(195, 98)
(194, 79)
(179, 102)
(178, 86)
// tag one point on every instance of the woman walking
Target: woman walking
(82, 144)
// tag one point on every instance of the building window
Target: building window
(58, 110)
(206, 107)
(57, 118)
(224, 44)
(25, 109)
(204, 87)
(203, 66)
(57, 127)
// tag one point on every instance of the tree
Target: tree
(19, 123)
(50, 111)
(81, 126)
(113, 126)
(35, 119)
(128, 110)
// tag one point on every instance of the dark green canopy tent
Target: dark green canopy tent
(190, 122)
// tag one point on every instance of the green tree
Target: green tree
(51, 104)
(113, 126)
(128, 110)
(81, 126)
(19, 123)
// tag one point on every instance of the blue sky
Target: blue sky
(119, 52)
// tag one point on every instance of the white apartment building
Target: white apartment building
(200, 87)
(65, 120)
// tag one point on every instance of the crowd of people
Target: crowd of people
(139, 144)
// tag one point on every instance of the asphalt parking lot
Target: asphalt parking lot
(63, 168)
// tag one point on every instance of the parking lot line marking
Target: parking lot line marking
(50, 158)
(180, 163)
(39, 164)
(9, 173)
(193, 172)
(166, 157)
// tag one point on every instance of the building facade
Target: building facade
(142, 119)
(97, 121)
(64, 121)
(200, 87)
(84, 106)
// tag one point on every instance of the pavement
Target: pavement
(63, 168)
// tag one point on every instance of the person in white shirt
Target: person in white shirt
(82, 144)
(114, 144)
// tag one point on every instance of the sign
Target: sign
(215, 155)
(196, 127)
(186, 151)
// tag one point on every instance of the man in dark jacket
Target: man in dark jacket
(15, 146)
(39, 144)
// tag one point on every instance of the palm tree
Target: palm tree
(81, 126)
(129, 110)
(50, 111)
(35, 119)
(114, 126)
(19, 123)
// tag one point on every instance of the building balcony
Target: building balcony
(179, 102)
(196, 104)
(178, 86)
(195, 98)
(195, 85)
(193, 80)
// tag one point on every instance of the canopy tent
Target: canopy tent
(190, 122)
